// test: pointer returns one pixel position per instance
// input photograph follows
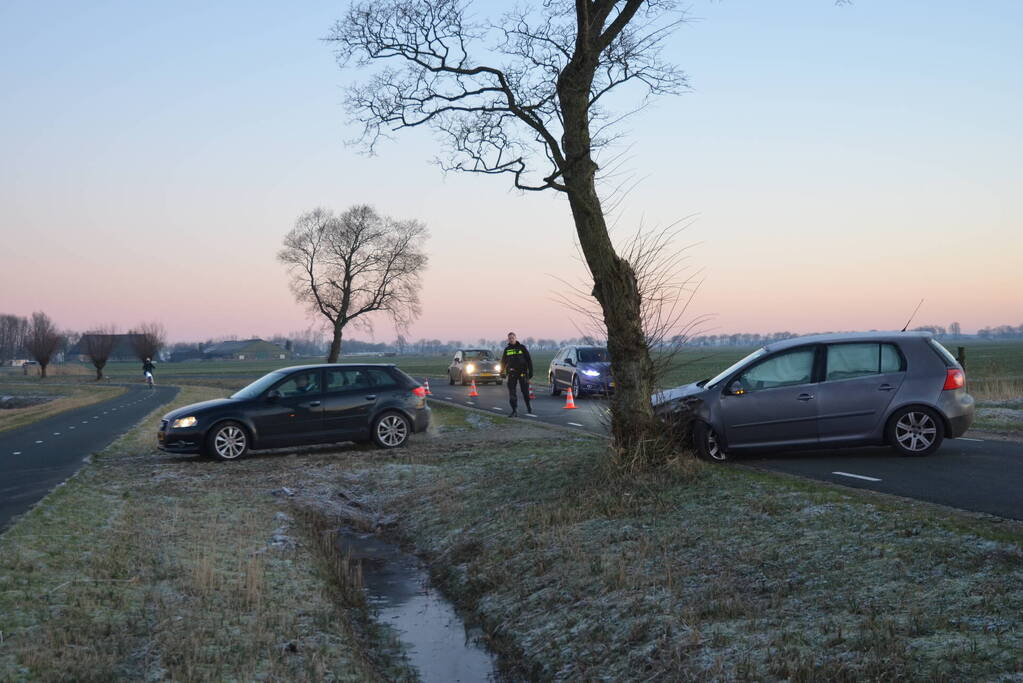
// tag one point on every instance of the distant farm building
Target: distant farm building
(123, 349)
(248, 349)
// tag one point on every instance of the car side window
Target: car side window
(846, 361)
(347, 379)
(785, 369)
(381, 379)
(300, 384)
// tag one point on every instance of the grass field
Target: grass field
(147, 566)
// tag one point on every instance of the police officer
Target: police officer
(518, 367)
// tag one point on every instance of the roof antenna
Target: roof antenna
(913, 315)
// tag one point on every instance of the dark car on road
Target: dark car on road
(587, 369)
(903, 389)
(300, 405)
(474, 364)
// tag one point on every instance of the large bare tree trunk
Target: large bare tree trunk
(335, 345)
(615, 286)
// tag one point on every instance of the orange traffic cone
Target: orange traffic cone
(426, 385)
(569, 401)
(532, 396)
(472, 390)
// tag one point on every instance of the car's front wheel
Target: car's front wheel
(576, 393)
(391, 430)
(451, 379)
(915, 430)
(227, 441)
(708, 445)
(555, 391)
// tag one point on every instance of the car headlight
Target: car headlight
(183, 422)
(497, 367)
(591, 373)
(470, 368)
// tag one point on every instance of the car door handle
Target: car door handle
(371, 397)
(804, 397)
(885, 387)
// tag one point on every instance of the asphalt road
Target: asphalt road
(39, 456)
(981, 475)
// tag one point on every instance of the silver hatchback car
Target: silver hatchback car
(903, 389)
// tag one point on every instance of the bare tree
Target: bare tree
(147, 340)
(98, 345)
(539, 118)
(13, 329)
(347, 267)
(42, 340)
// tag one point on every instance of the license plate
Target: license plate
(612, 385)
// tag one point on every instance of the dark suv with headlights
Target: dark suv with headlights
(587, 369)
(903, 389)
(300, 405)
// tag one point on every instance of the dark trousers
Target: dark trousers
(522, 380)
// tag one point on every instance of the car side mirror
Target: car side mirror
(570, 362)
(736, 388)
(273, 395)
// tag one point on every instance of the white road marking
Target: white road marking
(56, 433)
(469, 403)
(856, 476)
(963, 438)
(71, 427)
(38, 441)
(575, 424)
(448, 398)
(530, 415)
(496, 408)
(85, 422)
(17, 452)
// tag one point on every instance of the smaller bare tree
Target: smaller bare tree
(13, 329)
(99, 345)
(42, 340)
(350, 266)
(147, 340)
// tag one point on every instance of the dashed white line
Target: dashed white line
(56, 433)
(85, 422)
(856, 476)
(17, 452)
(496, 408)
(71, 427)
(38, 441)
(530, 415)
(575, 424)
(963, 438)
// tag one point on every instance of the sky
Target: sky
(836, 164)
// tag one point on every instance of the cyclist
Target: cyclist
(147, 370)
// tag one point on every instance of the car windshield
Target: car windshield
(593, 356)
(735, 366)
(477, 355)
(259, 386)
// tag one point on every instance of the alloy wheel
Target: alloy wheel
(229, 442)
(916, 431)
(392, 431)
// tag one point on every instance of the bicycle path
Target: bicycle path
(37, 457)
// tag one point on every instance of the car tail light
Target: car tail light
(954, 379)
(420, 392)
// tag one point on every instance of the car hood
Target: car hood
(196, 408)
(684, 391)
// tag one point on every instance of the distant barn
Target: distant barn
(248, 349)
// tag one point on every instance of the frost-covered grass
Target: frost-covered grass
(708, 572)
(149, 567)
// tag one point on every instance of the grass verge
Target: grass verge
(66, 397)
(146, 566)
(704, 573)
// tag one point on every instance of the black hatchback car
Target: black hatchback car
(302, 405)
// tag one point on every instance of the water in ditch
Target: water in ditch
(437, 640)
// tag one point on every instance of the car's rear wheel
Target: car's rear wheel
(391, 430)
(708, 445)
(915, 430)
(555, 391)
(227, 441)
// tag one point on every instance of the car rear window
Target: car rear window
(946, 355)
(846, 361)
